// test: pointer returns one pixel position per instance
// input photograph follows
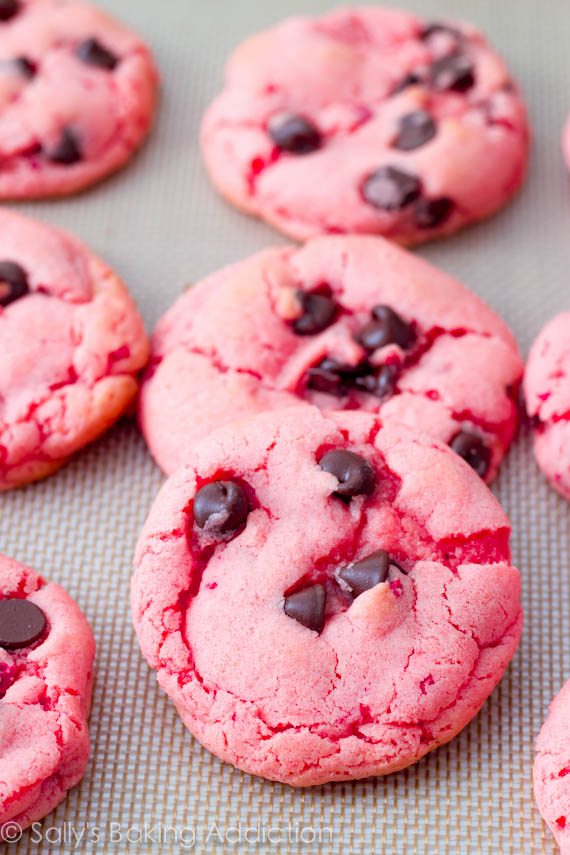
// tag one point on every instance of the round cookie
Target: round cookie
(547, 394)
(346, 323)
(551, 772)
(77, 96)
(325, 597)
(72, 344)
(367, 120)
(46, 672)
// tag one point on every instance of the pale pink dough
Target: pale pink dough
(45, 695)
(71, 350)
(552, 769)
(107, 110)
(547, 394)
(393, 674)
(345, 73)
(227, 347)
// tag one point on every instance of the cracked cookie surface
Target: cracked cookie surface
(45, 694)
(367, 120)
(72, 343)
(547, 395)
(551, 773)
(324, 596)
(345, 323)
(77, 97)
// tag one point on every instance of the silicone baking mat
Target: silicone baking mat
(149, 786)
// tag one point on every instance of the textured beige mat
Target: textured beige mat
(162, 227)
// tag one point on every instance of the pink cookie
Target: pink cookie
(72, 344)
(547, 393)
(77, 96)
(367, 120)
(346, 323)
(325, 597)
(552, 769)
(46, 672)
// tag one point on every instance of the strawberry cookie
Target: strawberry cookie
(547, 393)
(72, 344)
(552, 769)
(325, 597)
(77, 96)
(367, 120)
(344, 323)
(46, 672)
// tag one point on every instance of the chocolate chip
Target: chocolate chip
(13, 282)
(365, 574)
(26, 67)
(436, 28)
(21, 623)
(336, 378)
(411, 79)
(382, 384)
(8, 8)
(453, 73)
(307, 607)
(294, 134)
(430, 213)
(67, 151)
(220, 507)
(416, 129)
(391, 189)
(473, 450)
(387, 327)
(354, 474)
(319, 312)
(92, 52)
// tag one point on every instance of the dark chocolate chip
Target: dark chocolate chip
(411, 79)
(473, 450)
(21, 623)
(430, 213)
(92, 52)
(336, 378)
(294, 134)
(387, 327)
(319, 312)
(436, 28)
(454, 73)
(354, 474)
(307, 607)
(220, 507)
(382, 384)
(8, 8)
(67, 151)
(13, 282)
(26, 67)
(391, 189)
(416, 129)
(365, 574)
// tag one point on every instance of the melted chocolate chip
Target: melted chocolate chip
(22, 623)
(391, 189)
(220, 507)
(319, 312)
(67, 151)
(294, 134)
(411, 79)
(354, 474)
(26, 67)
(436, 28)
(387, 327)
(92, 52)
(8, 8)
(416, 129)
(452, 73)
(382, 384)
(336, 378)
(473, 450)
(307, 607)
(13, 282)
(365, 574)
(430, 213)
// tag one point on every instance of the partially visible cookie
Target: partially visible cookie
(325, 597)
(367, 120)
(72, 344)
(547, 394)
(345, 323)
(77, 96)
(46, 673)
(552, 769)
